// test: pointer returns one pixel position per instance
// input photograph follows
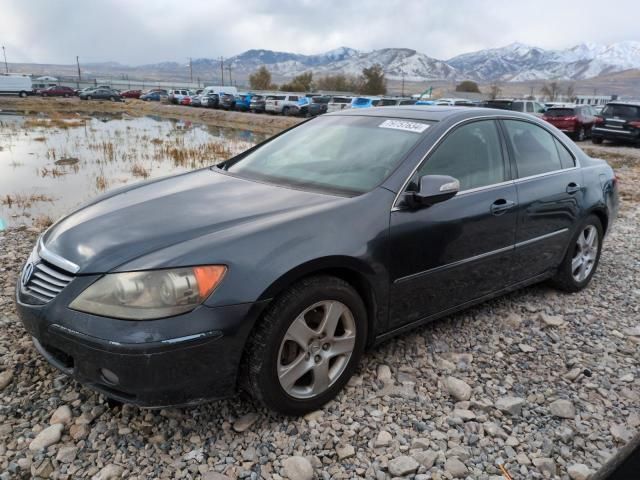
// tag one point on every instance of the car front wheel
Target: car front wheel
(306, 347)
(582, 257)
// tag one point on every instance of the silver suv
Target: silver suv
(286, 103)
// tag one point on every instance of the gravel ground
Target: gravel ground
(544, 383)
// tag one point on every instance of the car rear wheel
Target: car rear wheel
(23, 94)
(306, 347)
(285, 111)
(596, 140)
(89, 97)
(113, 99)
(582, 257)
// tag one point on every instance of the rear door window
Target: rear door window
(534, 149)
(293, 98)
(517, 106)
(529, 107)
(566, 159)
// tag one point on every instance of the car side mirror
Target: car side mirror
(433, 189)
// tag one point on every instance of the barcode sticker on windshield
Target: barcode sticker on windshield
(414, 127)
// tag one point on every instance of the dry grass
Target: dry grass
(101, 183)
(22, 200)
(138, 170)
(40, 139)
(42, 221)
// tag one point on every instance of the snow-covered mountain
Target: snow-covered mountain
(514, 62)
(519, 62)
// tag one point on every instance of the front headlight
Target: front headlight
(150, 294)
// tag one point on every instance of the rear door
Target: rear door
(455, 251)
(549, 187)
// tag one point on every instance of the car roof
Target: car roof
(432, 113)
(631, 103)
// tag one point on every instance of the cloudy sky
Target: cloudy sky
(138, 32)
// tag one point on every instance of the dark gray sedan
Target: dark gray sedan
(273, 271)
(101, 94)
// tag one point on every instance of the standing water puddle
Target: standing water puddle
(50, 165)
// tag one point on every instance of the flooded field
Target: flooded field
(50, 164)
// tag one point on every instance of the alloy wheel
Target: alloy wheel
(585, 253)
(316, 349)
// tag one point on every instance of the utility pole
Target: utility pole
(191, 69)
(222, 69)
(79, 77)
(403, 83)
(6, 66)
(229, 68)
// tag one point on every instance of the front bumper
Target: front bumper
(180, 360)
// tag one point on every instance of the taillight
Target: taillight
(599, 120)
(544, 117)
(571, 119)
(635, 124)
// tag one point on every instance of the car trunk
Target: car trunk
(624, 118)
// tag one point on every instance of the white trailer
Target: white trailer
(15, 85)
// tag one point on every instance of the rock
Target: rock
(44, 470)
(313, 416)
(420, 443)
(621, 433)
(572, 374)
(345, 452)
(78, 432)
(547, 466)
(633, 331)
(383, 439)
(455, 467)
(426, 458)
(458, 389)
(579, 471)
(401, 466)
(510, 405)
(5, 378)
(513, 320)
(244, 422)
(67, 454)
(465, 415)
(108, 472)
(562, 408)
(298, 468)
(551, 320)
(523, 459)
(384, 373)
(627, 378)
(526, 348)
(215, 476)
(46, 437)
(61, 415)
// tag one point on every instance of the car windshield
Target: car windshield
(336, 154)
(622, 111)
(560, 112)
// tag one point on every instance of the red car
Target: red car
(58, 91)
(576, 122)
(186, 100)
(131, 93)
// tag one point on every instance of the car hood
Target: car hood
(135, 222)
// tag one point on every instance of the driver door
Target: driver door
(461, 249)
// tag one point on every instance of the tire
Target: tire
(112, 98)
(44, 95)
(596, 140)
(574, 275)
(22, 94)
(66, 95)
(89, 97)
(271, 348)
(285, 111)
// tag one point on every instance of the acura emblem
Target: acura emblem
(26, 274)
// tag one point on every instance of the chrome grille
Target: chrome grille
(47, 281)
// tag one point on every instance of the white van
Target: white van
(219, 90)
(15, 85)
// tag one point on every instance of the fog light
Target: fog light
(109, 377)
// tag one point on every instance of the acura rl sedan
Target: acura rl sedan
(274, 271)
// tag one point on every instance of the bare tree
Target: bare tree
(551, 90)
(494, 91)
(571, 92)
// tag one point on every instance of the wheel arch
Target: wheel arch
(355, 272)
(603, 216)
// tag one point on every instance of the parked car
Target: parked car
(364, 102)
(257, 104)
(196, 100)
(618, 121)
(227, 101)
(265, 293)
(526, 106)
(175, 96)
(209, 100)
(319, 105)
(15, 85)
(185, 100)
(576, 121)
(243, 101)
(58, 91)
(131, 94)
(154, 95)
(338, 103)
(454, 102)
(101, 94)
(285, 104)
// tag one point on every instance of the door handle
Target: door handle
(501, 206)
(573, 188)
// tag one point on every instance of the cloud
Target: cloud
(138, 32)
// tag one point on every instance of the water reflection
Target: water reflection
(49, 164)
